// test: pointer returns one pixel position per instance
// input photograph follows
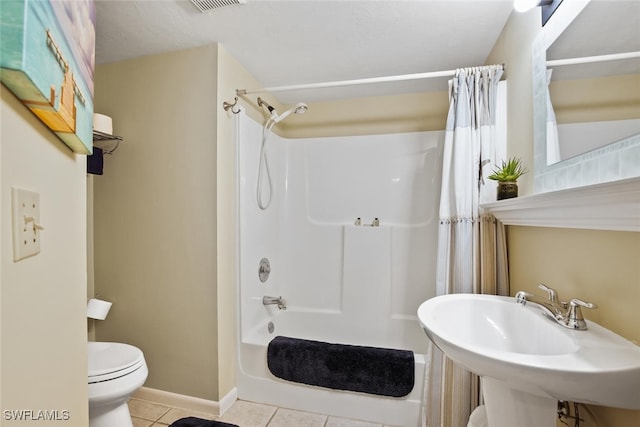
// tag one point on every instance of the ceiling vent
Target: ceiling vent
(209, 5)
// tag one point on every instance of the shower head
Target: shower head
(299, 108)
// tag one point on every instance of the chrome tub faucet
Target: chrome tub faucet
(281, 303)
(566, 314)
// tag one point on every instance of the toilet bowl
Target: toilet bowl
(116, 370)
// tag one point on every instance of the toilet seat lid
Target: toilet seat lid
(108, 360)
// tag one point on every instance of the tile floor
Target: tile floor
(242, 413)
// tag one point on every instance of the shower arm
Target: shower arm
(263, 103)
(299, 108)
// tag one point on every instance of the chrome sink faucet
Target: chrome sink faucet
(281, 303)
(566, 314)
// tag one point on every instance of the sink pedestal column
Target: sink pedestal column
(509, 407)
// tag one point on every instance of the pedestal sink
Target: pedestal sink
(527, 362)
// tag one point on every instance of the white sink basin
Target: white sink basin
(523, 350)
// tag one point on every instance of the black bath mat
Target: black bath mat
(199, 422)
(380, 371)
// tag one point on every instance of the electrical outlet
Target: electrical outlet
(26, 223)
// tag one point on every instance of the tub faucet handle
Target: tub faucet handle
(264, 270)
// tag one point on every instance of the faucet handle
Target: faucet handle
(552, 294)
(578, 302)
(574, 315)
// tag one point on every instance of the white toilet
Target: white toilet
(116, 370)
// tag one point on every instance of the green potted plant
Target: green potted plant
(507, 175)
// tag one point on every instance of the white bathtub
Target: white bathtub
(256, 383)
(343, 283)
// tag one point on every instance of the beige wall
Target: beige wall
(91, 330)
(42, 309)
(596, 266)
(413, 112)
(513, 48)
(155, 216)
(589, 100)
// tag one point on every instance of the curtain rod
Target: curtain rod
(386, 79)
(591, 59)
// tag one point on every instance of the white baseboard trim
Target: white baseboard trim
(187, 402)
(228, 400)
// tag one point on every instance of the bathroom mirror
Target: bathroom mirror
(590, 132)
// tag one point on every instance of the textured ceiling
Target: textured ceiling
(307, 41)
(310, 41)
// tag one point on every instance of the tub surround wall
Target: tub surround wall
(399, 113)
(43, 304)
(352, 284)
(155, 216)
(317, 199)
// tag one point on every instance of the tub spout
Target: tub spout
(281, 303)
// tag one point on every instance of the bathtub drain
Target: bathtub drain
(270, 327)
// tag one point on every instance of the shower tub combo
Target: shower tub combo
(345, 253)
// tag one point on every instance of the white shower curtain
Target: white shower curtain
(471, 247)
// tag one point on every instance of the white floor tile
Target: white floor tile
(146, 410)
(290, 418)
(345, 422)
(248, 414)
(241, 413)
(139, 422)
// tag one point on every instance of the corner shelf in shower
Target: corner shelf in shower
(108, 143)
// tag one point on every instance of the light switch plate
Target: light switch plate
(26, 223)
